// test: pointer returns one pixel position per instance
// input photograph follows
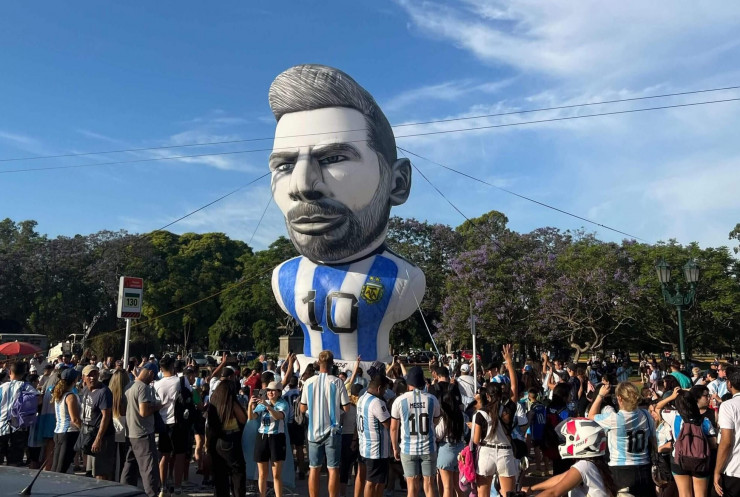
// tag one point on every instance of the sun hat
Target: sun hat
(89, 369)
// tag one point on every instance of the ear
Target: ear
(400, 181)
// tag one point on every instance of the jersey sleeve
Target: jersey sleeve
(282, 406)
(436, 412)
(606, 421)
(707, 428)
(410, 291)
(380, 411)
(276, 288)
(260, 408)
(304, 395)
(396, 409)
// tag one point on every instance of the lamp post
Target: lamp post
(679, 299)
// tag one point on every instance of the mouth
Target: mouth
(316, 224)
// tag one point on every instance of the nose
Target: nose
(306, 180)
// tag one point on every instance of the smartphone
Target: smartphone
(263, 394)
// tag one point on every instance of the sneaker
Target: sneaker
(88, 474)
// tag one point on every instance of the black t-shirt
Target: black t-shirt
(92, 404)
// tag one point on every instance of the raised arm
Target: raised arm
(509, 358)
(596, 406)
(354, 372)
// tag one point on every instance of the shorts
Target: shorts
(330, 449)
(104, 461)
(495, 461)
(269, 448)
(424, 465)
(175, 440)
(447, 455)
(677, 471)
(376, 470)
(297, 434)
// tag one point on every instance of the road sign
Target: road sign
(130, 296)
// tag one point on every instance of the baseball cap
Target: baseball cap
(465, 368)
(151, 367)
(189, 370)
(415, 377)
(152, 356)
(274, 385)
(89, 369)
(527, 367)
(69, 374)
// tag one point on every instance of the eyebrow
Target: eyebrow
(329, 148)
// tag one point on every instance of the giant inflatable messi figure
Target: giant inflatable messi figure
(335, 177)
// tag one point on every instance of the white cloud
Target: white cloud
(448, 91)
(563, 39)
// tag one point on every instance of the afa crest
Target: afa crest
(372, 291)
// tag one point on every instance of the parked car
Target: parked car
(219, 354)
(200, 359)
(468, 354)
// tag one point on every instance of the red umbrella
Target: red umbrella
(18, 348)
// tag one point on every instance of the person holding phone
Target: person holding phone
(270, 444)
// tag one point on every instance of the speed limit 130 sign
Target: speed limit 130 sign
(130, 296)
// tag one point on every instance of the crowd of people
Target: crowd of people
(583, 427)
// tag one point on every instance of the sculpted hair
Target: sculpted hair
(313, 86)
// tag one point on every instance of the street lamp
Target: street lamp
(691, 274)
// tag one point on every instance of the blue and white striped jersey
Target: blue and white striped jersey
(675, 421)
(289, 396)
(628, 435)
(416, 411)
(349, 309)
(9, 392)
(324, 395)
(374, 439)
(268, 424)
(63, 419)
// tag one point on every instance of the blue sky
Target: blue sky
(110, 75)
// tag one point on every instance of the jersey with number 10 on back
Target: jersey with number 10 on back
(374, 439)
(416, 411)
(628, 435)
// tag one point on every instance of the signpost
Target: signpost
(130, 297)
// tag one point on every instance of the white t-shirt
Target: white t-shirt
(593, 484)
(167, 389)
(729, 419)
(499, 437)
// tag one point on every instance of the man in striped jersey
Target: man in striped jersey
(323, 397)
(416, 413)
(335, 177)
(373, 422)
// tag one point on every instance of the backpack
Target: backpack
(550, 438)
(466, 478)
(299, 418)
(538, 420)
(692, 448)
(24, 409)
(184, 405)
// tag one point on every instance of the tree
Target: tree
(735, 235)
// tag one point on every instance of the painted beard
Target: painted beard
(346, 233)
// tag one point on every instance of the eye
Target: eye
(332, 159)
(284, 167)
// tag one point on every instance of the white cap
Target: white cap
(465, 368)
